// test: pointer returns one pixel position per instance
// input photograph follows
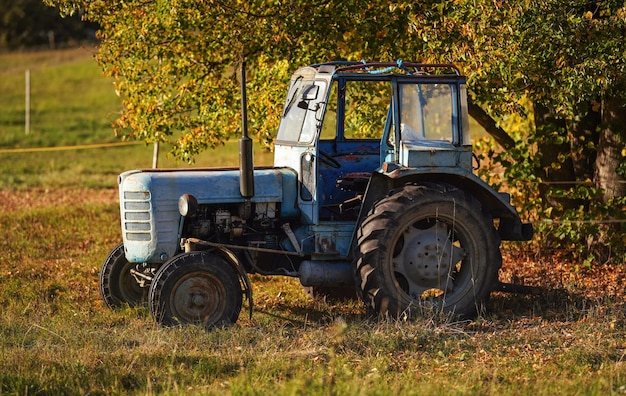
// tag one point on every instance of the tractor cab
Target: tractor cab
(343, 121)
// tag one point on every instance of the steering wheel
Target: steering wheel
(328, 160)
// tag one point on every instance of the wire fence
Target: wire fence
(67, 148)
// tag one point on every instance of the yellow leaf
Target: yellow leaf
(595, 106)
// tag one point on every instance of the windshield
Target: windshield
(299, 123)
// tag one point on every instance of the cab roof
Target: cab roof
(398, 67)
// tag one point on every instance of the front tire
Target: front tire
(427, 246)
(117, 285)
(196, 288)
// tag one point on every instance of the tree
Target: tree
(562, 65)
(559, 64)
(175, 62)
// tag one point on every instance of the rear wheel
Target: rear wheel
(196, 288)
(427, 246)
(117, 285)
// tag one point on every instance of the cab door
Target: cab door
(295, 145)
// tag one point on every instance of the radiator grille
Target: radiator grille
(137, 215)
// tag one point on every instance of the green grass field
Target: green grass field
(72, 104)
(59, 218)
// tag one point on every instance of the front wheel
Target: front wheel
(196, 288)
(117, 284)
(427, 246)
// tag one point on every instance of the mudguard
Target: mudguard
(391, 176)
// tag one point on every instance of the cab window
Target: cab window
(427, 111)
(366, 109)
(299, 119)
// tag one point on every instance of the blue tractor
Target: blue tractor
(372, 192)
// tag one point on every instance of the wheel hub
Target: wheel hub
(196, 297)
(427, 258)
(197, 300)
(425, 261)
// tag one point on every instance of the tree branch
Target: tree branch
(490, 125)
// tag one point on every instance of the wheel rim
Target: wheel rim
(129, 289)
(198, 297)
(431, 259)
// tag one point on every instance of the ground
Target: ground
(522, 263)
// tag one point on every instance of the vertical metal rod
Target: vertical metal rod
(244, 102)
(246, 164)
(27, 111)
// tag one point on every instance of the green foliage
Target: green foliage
(562, 62)
(590, 231)
(175, 63)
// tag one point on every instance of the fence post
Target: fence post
(27, 111)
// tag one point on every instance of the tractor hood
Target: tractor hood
(149, 203)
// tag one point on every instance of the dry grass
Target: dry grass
(57, 337)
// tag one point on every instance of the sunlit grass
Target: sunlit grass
(70, 101)
(60, 218)
(56, 335)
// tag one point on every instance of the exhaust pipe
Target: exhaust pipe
(246, 164)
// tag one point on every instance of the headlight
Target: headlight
(187, 205)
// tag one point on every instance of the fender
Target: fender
(243, 275)
(391, 176)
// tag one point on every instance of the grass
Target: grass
(60, 218)
(58, 338)
(72, 104)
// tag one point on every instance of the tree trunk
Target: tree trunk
(610, 146)
(489, 125)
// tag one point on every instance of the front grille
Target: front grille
(137, 215)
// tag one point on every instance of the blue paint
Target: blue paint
(149, 203)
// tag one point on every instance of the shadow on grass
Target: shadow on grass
(317, 312)
(548, 304)
(551, 304)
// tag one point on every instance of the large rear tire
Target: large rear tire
(117, 285)
(427, 246)
(196, 288)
